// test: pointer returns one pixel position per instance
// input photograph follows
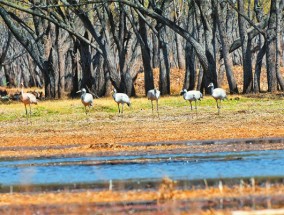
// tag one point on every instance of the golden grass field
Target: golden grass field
(58, 123)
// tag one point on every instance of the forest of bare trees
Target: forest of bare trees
(64, 45)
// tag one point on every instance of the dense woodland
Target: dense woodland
(64, 45)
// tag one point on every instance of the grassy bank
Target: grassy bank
(64, 122)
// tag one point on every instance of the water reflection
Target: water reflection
(176, 166)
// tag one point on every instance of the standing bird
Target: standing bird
(217, 94)
(86, 98)
(120, 98)
(27, 99)
(192, 95)
(154, 95)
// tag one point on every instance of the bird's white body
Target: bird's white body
(27, 99)
(217, 94)
(86, 98)
(121, 98)
(154, 95)
(192, 95)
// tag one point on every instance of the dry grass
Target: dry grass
(64, 123)
(86, 198)
(57, 123)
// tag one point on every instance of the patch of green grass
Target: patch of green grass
(72, 110)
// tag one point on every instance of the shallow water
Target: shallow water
(176, 166)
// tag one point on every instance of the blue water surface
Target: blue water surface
(193, 166)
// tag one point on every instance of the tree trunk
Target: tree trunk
(164, 80)
(258, 64)
(279, 16)
(155, 51)
(221, 22)
(99, 76)
(86, 64)
(271, 48)
(210, 74)
(146, 57)
(246, 50)
(104, 47)
(190, 73)
(180, 58)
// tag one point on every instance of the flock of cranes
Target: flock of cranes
(87, 99)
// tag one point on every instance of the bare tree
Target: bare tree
(221, 14)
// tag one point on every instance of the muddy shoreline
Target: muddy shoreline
(159, 147)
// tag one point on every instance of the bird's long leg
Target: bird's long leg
(30, 113)
(118, 108)
(86, 110)
(217, 103)
(152, 106)
(122, 108)
(158, 108)
(195, 106)
(218, 106)
(26, 113)
(190, 105)
(26, 109)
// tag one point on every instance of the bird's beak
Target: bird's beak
(181, 92)
(79, 91)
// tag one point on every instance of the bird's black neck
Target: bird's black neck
(211, 89)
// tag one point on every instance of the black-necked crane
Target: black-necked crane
(120, 98)
(192, 95)
(154, 95)
(86, 99)
(217, 94)
(27, 99)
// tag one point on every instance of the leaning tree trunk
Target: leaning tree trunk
(221, 22)
(210, 74)
(103, 45)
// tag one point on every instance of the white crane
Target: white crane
(120, 98)
(154, 95)
(192, 95)
(217, 94)
(86, 98)
(27, 99)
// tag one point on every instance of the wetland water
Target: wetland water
(140, 167)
